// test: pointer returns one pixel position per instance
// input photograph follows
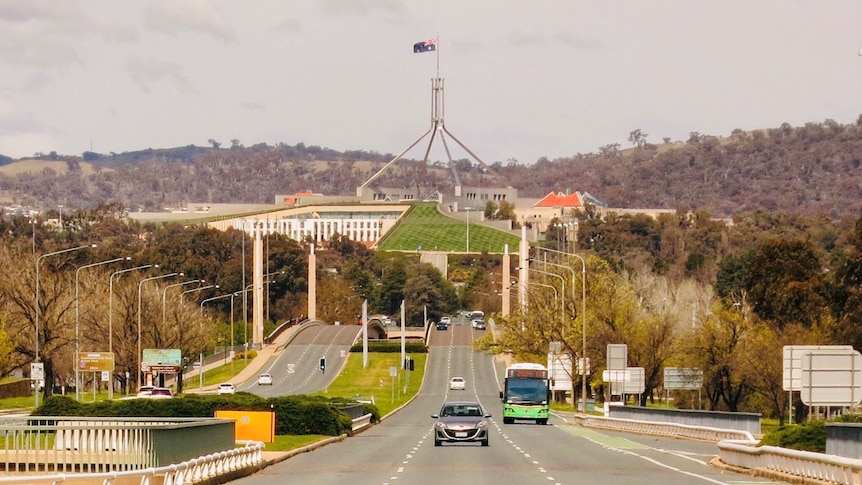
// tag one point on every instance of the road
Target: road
(296, 369)
(401, 448)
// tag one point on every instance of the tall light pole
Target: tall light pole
(165, 296)
(232, 295)
(38, 264)
(61, 216)
(33, 224)
(111, 313)
(200, 288)
(140, 351)
(562, 298)
(583, 367)
(77, 342)
(201, 370)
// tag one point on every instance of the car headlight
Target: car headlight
(482, 424)
(440, 425)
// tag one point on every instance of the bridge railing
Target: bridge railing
(47, 444)
(802, 464)
(739, 449)
(196, 470)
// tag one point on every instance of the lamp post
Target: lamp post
(200, 288)
(201, 359)
(140, 351)
(583, 369)
(111, 313)
(562, 297)
(60, 207)
(232, 295)
(165, 296)
(38, 264)
(77, 343)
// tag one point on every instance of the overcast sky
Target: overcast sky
(523, 79)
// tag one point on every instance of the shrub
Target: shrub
(295, 415)
(810, 436)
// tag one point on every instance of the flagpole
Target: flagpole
(437, 44)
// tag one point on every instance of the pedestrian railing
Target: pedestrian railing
(192, 471)
(803, 464)
(47, 444)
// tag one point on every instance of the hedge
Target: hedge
(294, 415)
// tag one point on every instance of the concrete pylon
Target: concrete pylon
(312, 284)
(506, 283)
(257, 291)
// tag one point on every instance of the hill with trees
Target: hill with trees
(811, 169)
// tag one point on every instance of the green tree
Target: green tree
(785, 283)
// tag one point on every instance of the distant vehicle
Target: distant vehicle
(447, 320)
(479, 324)
(161, 393)
(226, 388)
(264, 379)
(145, 391)
(477, 315)
(458, 384)
(441, 325)
(461, 421)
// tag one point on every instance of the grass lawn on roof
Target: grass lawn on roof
(426, 228)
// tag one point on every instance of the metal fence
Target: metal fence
(196, 470)
(55, 444)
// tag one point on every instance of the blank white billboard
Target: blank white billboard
(792, 375)
(831, 378)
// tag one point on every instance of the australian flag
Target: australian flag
(425, 46)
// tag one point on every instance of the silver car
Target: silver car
(461, 421)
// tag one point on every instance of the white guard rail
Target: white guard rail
(739, 449)
(664, 429)
(803, 464)
(188, 472)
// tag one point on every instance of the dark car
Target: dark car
(442, 326)
(461, 421)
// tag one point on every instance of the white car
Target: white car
(457, 384)
(145, 391)
(161, 393)
(264, 379)
(446, 320)
(226, 388)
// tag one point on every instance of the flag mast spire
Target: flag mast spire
(438, 126)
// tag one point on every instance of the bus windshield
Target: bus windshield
(527, 391)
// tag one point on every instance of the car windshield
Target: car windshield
(461, 410)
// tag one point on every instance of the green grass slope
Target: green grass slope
(426, 228)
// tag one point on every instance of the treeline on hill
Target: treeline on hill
(812, 169)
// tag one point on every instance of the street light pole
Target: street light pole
(201, 359)
(38, 264)
(583, 325)
(140, 351)
(77, 342)
(111, 313)
(562, 298)
(165, 296)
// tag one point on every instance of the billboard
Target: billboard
(792, 375)
(682, 378)
(162, 360)
(560, 370)
(831, 378)
(95, 361)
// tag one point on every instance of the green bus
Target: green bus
(526, 393)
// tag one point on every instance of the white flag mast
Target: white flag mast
(437, 121)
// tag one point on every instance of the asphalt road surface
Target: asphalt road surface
(401, 448)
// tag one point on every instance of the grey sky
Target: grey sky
(524, 79)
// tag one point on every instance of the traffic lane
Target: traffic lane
(296, 369)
